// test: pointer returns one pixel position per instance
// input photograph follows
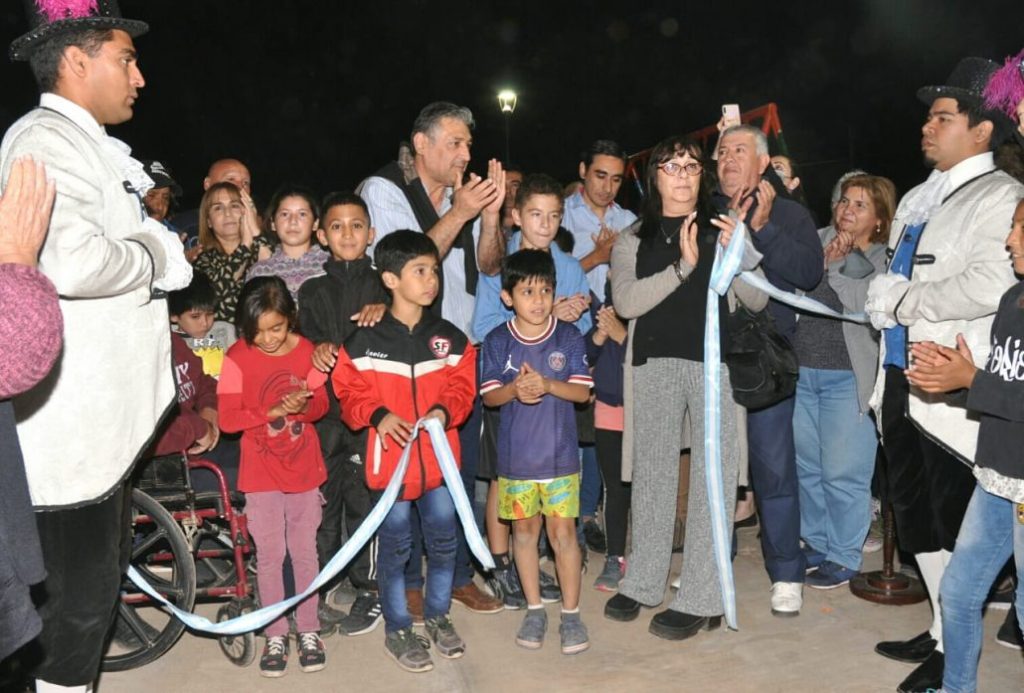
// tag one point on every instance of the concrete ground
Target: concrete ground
(829, 647)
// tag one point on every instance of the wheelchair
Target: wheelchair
(189, 545)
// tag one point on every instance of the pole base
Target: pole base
(896, 589)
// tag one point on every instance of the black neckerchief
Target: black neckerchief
(427, 217)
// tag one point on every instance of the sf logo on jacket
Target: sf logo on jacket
(440, 346)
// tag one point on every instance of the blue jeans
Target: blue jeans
(777, 490)
(835, 460)
(989, 535)
(469, 446)
(437, 522)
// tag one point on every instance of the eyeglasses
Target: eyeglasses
(678, 170)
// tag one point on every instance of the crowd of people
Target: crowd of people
(558, 338)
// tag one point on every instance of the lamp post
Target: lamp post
(507, 100)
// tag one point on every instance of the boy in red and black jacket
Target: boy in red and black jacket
(409, 366)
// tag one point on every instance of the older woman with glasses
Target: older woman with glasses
(660, 272)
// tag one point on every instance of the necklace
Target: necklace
(669, 237)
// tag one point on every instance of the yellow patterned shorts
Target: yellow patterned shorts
(520, 499)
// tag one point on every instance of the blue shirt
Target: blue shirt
(536, 441)
(569, 281)
(583, 223)
(902, 261)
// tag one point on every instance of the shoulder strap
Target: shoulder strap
(966, 183)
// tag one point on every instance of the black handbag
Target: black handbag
(762, 364)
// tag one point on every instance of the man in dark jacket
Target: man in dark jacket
(784, 233)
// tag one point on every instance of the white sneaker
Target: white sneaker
(787, 598)
(872, 544)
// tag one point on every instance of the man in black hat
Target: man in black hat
(947, 271)
(83, 427)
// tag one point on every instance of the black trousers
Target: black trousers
(929, 488)
(617, 493)
(347, 505)
(85, 551)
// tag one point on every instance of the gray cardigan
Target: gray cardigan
(634, 297)
(849, 278)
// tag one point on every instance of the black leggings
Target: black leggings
(617, 493)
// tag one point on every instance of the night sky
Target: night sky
(321, 93)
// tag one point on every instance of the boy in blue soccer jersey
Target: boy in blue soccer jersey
(534, 367)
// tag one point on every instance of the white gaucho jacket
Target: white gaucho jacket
(82, 428)
(960, 271)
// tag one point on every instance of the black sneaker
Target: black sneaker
(504, 583)
(594, 536)
(275, 657)
(312, 656)
(621, 608)
(405, 648)
(1009, 634)
(364, 615)
(550, 592)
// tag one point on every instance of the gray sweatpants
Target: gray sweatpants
(663, 390)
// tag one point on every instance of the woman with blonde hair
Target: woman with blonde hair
(229, 234)
(834, 435)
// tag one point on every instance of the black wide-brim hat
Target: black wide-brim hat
(967, 84)
(50, 18)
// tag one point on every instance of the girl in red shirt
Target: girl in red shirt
(263, 392)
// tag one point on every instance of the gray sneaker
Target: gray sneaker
(550, 592)
(614, 570)
(449, 643)
(574, 634)
(531, 632)
(405, 648)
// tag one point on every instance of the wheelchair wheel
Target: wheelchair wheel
(163, 556)
(239, 649)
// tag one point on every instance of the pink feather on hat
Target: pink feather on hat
(56, 10)
(1005, 89)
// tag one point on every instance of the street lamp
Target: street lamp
(507, 100)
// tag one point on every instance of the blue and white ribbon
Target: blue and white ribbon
(727, 265)
(261, 617)
(808, 305)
